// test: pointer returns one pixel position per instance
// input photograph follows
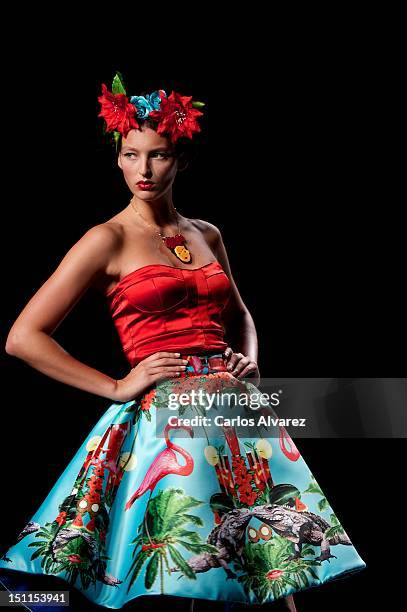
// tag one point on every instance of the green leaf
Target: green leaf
(196, 520)
(334, 519)
(291, 582)
(151, 571)
(36, 554)
(322, 504)
(118, 84)
(197, 104)
(304, 578)
(167, 565)
(147, 415)
(116, 136)
(138, 565)
(313, 573)
(314, 487)
(181, 563)
(193, 536)
(198, 548)
(46, 534)
(332, 531)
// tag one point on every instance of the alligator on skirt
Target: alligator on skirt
(66, 535)
(61, 540)
(229, 539)
(29, 528)
(297, 526)
(300, 527)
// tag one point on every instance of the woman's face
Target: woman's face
(147, 156)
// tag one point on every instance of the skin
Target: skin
(109, 251)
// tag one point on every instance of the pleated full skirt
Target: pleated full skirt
(145, 508)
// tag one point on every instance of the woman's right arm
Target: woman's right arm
(30, 338)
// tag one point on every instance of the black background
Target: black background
(298, 171)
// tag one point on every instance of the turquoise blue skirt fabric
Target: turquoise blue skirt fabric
(226, 519)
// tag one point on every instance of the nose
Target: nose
(145, 169)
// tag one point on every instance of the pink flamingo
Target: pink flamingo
(165, 463)
(293, 453)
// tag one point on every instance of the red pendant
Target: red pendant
(176, 244)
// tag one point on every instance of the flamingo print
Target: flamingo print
(293, 454)
(165, 463)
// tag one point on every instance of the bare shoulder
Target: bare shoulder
(104, 239)
(82, 266)
(210, 231)
(91, 257)
(108, 234)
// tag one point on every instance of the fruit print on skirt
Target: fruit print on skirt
(223, 518)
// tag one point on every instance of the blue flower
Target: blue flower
(146, 104)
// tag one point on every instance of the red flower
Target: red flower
(61, 518)
(245, 488)
(147, 400)
(238, 464)
(243, 479)
(74, 558)
(248, 498)
(117, 111)
(94, 497)
(99, 471)
(95, 484)
(173, 241)
(176, 116)
(273, 574)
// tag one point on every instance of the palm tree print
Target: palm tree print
(269, 573)
(162, 530)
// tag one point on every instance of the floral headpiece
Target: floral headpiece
(176, 114)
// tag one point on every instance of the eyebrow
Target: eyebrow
(151, 150)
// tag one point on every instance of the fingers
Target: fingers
(233, 361)
(161, 355)
(167, 361)
(249, 370)
(164, 374)
(239, 364)
(170, 368)
(164, 358)
(227, 353)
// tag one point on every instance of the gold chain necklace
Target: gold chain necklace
(176, 243)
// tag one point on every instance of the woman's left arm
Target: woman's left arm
(239, 326)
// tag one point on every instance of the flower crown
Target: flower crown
(176, 114)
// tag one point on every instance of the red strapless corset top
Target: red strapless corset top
(158, 307)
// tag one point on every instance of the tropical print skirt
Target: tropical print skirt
(139, 511)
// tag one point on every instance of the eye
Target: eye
(163, 154)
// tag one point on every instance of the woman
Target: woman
(216, 515)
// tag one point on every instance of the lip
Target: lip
(143, 185)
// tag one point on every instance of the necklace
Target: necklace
(176, 243)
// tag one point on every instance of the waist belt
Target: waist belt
(203, 364)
